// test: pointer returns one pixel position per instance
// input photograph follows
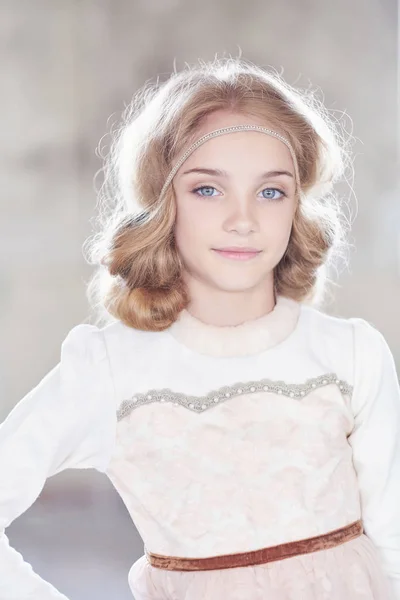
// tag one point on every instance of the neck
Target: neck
(249, 337)
(229, 308)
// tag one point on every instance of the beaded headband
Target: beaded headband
(232, 129)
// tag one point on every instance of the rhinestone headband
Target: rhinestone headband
(232, 129)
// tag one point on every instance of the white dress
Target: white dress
(222, 440)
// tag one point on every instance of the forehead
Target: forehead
(242, 146)
(245, 153)
(238, 147)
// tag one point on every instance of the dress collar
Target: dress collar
(249, 337)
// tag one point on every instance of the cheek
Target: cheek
(278, 222)
(276, 233)
(189, 229)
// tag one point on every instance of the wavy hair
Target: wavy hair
(138, 276)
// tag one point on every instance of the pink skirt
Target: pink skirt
(350, 571)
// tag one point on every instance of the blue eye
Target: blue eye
(207, 192)
(207, 188)
(271, 192)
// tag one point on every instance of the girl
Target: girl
(253, 438)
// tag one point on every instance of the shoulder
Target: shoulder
(372, 356)
(85, 368)
(85, 343)
(123, 341)
(366, 335)
(349, 330)
(325, 331)
(109, 348)
(350, 342)
(91, 340)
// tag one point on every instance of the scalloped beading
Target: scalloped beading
(199, 404)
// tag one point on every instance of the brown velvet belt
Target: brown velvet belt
(258, 557)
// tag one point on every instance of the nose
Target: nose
(241, 216)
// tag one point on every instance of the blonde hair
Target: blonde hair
(138, 279)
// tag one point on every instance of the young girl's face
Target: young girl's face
(230, 200)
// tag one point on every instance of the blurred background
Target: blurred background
(68, 69)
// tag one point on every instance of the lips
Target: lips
(238, 249)
(237, 253)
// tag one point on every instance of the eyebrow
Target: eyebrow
(221, 173)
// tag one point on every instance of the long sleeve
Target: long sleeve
(66, 421)
(375, 442)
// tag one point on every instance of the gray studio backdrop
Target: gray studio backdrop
(69, 65)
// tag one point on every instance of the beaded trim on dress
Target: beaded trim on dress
(199, 404)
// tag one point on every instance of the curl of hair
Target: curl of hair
(138, 276)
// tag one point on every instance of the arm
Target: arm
(375, 441)
(66, 421)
